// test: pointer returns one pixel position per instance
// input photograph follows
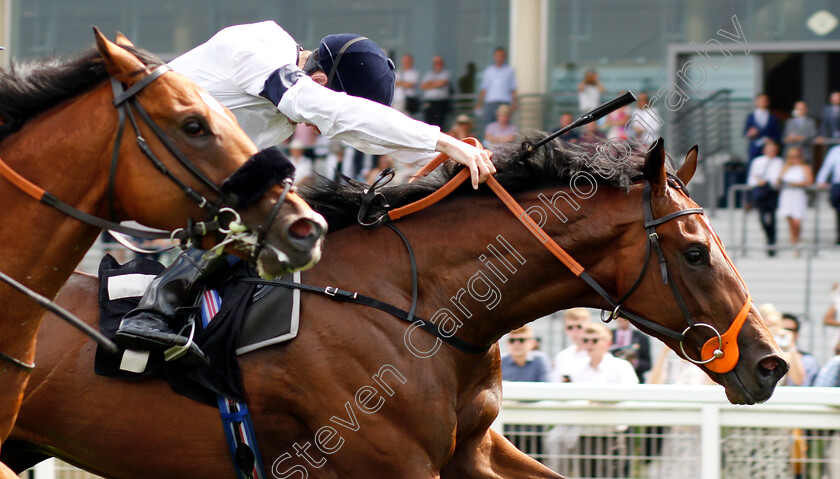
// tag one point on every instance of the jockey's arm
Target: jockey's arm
(371, 127)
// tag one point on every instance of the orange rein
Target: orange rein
(22, 183)
(723, 355)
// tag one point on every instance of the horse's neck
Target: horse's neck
(62, 151)
(479, 267)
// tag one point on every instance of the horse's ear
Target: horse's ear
(122, 40)
(655, 167)
(689, 166)
(118, 61)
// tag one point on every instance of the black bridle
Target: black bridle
(126, 102)
(726, 344)
(650, 224)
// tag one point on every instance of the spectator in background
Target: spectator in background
(760, 126)
(785, 340)
(763, 176)
(602, 446)
(500, 131)
(631, 345)
(645, 122)
(800, 131)
(599, 366)
(571, 136)
(793, 200)
(589, 90)
(832, 315)
(575, 320)
(406, 96)
(436, 93)
(799, 359)
(462, 127)
(830, 126)
(303, 164)
(830, 169)
(829, 375)
(522, 363)
(498, 87)
(616, 122)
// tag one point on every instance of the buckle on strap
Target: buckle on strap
(335, 291)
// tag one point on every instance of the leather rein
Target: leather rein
(720, 351)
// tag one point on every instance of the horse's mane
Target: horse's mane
(28, 88)
(552, 165)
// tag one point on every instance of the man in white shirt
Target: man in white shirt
(599, 366)
(436, 87)
(575, 319)
(599, 443)
(406, 97)
(344, 89)
(763, 174)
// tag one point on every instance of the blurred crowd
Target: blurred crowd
(783, 165)
(433, 96)
(622, 355)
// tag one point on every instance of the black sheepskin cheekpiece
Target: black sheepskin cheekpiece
(253, 179)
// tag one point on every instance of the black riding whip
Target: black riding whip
(593, 115)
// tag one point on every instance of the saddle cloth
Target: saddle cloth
(251, 316)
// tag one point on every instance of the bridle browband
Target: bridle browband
(721, 350)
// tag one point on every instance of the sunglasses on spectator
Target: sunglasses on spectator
(591, 340)
(574, 326)
(517, 340)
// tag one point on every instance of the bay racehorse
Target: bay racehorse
(361, 394)
(60, 145)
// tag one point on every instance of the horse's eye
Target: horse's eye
(193, 128)
(695, 257)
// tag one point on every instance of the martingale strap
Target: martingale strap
(236, 419)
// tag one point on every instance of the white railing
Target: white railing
(704, 407)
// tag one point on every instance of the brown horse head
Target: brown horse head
(628, 225)
(708, 297)
(203, 130)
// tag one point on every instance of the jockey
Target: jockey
(344, 89)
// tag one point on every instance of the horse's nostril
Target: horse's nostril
(772, 368)
(769, 364)
(301, 228)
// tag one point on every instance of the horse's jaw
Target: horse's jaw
(751, 382)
